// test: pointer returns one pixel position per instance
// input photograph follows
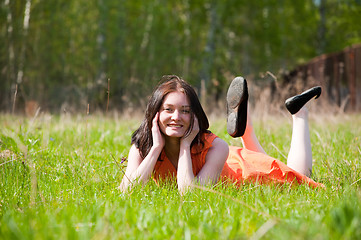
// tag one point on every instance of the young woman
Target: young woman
(173, 141)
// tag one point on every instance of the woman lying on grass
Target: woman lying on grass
(173, 141)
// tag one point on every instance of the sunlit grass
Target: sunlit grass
(59, 177)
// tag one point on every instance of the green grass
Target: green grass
(58, 180)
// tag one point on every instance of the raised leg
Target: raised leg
(249, 138)
(300, 154)
(239, 123)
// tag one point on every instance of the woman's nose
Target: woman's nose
(175, 114)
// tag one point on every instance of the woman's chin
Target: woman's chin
(174, 134)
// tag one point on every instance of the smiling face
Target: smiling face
(175, 114)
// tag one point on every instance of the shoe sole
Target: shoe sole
(237, 101)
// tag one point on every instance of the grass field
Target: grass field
(59, 177)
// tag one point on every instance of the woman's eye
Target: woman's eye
(186, 111)
(168, 109)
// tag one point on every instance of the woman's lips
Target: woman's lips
(175, 125)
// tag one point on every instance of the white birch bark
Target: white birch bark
(20, 74)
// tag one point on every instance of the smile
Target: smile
(175, 125)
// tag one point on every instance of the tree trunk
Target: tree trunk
(9, 87)
(209, 51)
(101, 42)
(322, 28)
(20, 74)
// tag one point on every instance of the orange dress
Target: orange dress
(242, 165)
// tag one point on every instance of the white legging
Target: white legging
(300, 154)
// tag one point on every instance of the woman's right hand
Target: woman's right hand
(158, 138)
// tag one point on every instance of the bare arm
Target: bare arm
(215, 159)
(210, 172)
(139, 170)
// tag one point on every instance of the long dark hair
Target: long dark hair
(142, 137)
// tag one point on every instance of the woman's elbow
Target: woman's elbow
(124, 186)
(184, 188)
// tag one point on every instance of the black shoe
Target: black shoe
(237, 99)
(295, 103)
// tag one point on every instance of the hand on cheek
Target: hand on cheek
(190, 137)
(158, 138)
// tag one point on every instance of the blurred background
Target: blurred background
(63, 56)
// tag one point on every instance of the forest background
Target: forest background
(64, 55)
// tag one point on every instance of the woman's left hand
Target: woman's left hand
(190, 137)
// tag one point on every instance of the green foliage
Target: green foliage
(73, 47)
(342, 24)
(58, 180)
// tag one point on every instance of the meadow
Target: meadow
(59, 177)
